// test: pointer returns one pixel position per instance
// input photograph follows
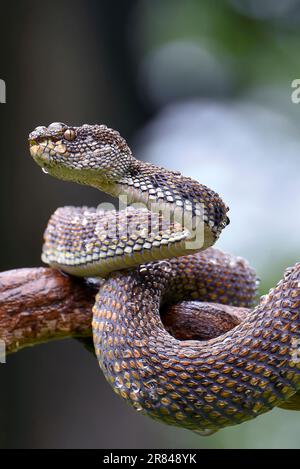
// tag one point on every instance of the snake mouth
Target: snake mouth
(44, 149)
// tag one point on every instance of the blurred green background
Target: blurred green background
(200, 86)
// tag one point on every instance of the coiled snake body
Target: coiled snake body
(160, 254)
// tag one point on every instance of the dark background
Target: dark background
(200, 86)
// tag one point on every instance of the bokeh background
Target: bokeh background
(199, 86)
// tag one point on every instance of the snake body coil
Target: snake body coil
(160, 255)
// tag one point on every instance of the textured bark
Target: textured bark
(192, 320)
(40, 304)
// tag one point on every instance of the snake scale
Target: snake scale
(150, 260)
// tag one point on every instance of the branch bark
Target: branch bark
(40, 304)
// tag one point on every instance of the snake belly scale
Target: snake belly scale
(144, 258)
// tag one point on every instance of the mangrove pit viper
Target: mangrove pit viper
(158, 253)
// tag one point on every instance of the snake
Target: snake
(156, 251)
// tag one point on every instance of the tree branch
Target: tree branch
(40, 304)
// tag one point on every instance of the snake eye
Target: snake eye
(70, 134)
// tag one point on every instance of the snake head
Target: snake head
(81, 154)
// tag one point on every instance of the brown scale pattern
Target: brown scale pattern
(171, 187)
(202, 386)
(87, 241)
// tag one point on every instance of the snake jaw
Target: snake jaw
(44, 150)
(39, 152)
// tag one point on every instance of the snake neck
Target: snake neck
(181, 199)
